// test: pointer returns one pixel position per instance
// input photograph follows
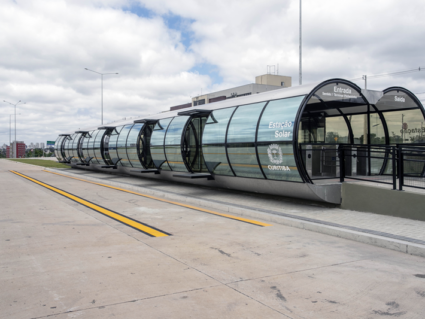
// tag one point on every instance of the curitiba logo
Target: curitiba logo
(275, 154)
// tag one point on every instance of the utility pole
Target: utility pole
(301, 72)
(365, 81)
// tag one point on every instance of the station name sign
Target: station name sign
(399, 99)
(284, 126)
(340, 92)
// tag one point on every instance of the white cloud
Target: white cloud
(46, 45)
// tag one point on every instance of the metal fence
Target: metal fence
(399, 165)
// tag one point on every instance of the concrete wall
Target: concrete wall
(383, 201)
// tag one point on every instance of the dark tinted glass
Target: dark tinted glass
(215, 129)
(68, 146)
(338, 92)
(277, 121)
(97, 147)
(395, 101)
(58, 143)
(113, 142)
(134, 145)
(91, 147)
(405, 126)
(159, 132)
(244, 160)
(174, 158)
(121, 145)
(216, 160)
(244, 123)
(157, 144)
(278, 162)
(158, 157)
(175, 130)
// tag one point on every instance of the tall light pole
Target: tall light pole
(301, 72)
(101, 87)
(16, 146)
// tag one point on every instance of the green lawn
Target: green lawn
(44, 163)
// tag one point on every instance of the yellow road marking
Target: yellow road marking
(121, 218)
(250, 221)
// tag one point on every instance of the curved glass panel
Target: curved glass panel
(157, 144)
(86, 141)
(174, 158)
(121, 145)
(216, 160)
(336, 130)
(244, 160)
(278, 162)
(105, 146)
(145, 150)
(90, 147)
(244, 123)
(58, 144)
(406, 126)
(68, 146)
(216, 126)
(75, 146)
(175, 129)
(172, 144)
(191, 147)
(134, 145)
(97, 145)
(377, 133)
(277, 121)
(113, 142)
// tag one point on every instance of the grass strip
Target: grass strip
(40, 162)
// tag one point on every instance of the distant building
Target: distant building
(37, 145)
(18, 149)
(263, 83)
(7, 151)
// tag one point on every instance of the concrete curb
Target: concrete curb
(370, 239)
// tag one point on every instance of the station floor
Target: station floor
(63, 256)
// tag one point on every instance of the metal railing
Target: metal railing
(400, 164)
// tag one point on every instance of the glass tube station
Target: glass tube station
(282, 142)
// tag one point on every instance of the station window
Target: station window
(122, 145)
(157, 144)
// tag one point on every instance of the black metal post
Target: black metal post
(394, 168)
(400, 169)
(341, 164)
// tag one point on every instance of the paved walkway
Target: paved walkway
(389, 227)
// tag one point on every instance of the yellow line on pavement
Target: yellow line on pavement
(250, 221)
(149, 230)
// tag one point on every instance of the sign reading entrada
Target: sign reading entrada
(340, 92)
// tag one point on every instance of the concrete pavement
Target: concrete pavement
(63, 260)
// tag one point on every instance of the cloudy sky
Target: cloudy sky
(166, 51)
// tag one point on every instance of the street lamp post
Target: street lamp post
(101, 88)
(16, 146)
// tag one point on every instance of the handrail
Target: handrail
(396, 153)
